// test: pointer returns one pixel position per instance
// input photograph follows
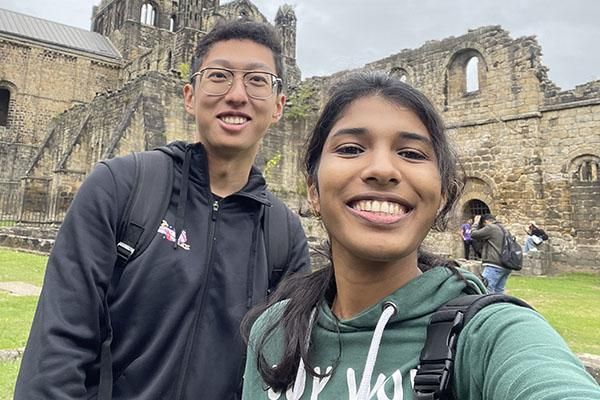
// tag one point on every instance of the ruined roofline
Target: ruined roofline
(38, 30)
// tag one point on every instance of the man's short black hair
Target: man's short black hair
(488, 217)
(258, 32)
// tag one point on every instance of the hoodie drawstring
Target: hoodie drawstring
(389, 310)
(182, 200)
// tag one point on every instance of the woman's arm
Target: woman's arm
(511, 353)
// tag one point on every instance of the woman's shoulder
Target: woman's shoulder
(504, 343)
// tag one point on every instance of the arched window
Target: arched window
(475, 207)
(472, 74)
(172, 23)
(588, 171)
(400, 74)
(148, 16)
(4, 103)
(120, 15)
(466, 77)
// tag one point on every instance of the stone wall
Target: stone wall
(43, 82)
(145, 113)
(530, 151)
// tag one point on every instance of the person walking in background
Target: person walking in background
(465, 234)
(535, 237)
(491, 236)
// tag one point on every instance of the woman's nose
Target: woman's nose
(382, 169)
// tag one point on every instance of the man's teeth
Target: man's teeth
(236, 120)
(384, 207)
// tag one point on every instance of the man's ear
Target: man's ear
(188, 98)
(313, 196)
(279, 108)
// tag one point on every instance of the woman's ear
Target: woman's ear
(313, 196)
(442, 204)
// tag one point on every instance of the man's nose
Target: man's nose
(237, 91)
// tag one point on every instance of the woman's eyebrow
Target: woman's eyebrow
(402, 135)
(415, 136)
(350, 131)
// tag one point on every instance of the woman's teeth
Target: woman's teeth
(377, 206)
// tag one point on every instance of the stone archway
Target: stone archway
(474, 207)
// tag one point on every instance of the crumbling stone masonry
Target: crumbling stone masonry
(530, 150)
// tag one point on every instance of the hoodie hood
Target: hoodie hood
(190, 164)
(197, 168)
(418, 298)
(378, 350)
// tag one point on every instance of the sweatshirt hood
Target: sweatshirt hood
(198, 168)
(419, 297)
(416, 300)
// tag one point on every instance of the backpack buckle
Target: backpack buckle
(124, 252)
(432, 380)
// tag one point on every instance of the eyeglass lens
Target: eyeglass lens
(217, 81)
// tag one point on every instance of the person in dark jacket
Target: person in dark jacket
(176, 309)
(491, 236)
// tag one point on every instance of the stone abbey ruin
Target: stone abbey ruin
(70, 97)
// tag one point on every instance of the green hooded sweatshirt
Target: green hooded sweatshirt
(505, 352)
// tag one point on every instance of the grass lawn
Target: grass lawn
(22, 267)
(570, 303)
(8, 376)
(16, 314)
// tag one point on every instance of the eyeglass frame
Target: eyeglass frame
(275, 81)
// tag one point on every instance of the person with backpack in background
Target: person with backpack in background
(535, 237)
(490, 234)
(164, 324)
(381, 174)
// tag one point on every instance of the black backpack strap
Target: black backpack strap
(147, 204)
(277, 236)
(436, 364)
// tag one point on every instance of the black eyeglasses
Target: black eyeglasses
(218, 81)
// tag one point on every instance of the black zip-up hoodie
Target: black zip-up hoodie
(175, 310)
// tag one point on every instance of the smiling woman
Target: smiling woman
(381, 174)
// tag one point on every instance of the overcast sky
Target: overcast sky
(342, 34)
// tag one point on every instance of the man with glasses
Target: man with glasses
(176, 308)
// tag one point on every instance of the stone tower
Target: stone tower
(285, 23)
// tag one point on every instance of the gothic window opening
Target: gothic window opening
(472, 74)
(4, 102)
(466, 77)
(475, 207)
(172, 24)
(400, 74)
(120, 15)
(148, 16)
(588, 171)
(169, 60)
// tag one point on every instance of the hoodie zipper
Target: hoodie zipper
(199, 300)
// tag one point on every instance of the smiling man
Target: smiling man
(176, 308)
